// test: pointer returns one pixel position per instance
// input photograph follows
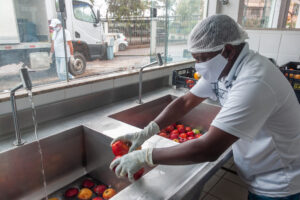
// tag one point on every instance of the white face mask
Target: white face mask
(212, 69)
(56, 28)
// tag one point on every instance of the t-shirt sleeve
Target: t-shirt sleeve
(68, 36)
(203, 89)
(248, 106)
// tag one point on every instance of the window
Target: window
(83, 12)
(293, 19)
(259, 13)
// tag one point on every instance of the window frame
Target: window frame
(282, 18)
(76, 17)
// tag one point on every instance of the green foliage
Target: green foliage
(122, 9)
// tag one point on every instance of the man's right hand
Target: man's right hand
(138, 138)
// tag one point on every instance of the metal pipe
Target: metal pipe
(19, 140)
(160, 62)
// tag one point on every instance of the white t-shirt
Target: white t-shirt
(262, 110)
(58, 40)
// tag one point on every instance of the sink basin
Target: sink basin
(67, 156)
(139, 116)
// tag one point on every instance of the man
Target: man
(259, 117)
(57, 46)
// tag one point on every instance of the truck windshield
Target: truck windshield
(83, 12)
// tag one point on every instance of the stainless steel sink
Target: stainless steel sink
(67, 156)
(139, 116)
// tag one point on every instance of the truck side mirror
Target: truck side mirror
(60, 5)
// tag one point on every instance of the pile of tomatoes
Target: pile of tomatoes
(180, 133)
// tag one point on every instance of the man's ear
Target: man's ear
(229, 52)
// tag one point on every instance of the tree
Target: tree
(122, 9)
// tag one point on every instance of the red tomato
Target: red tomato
(190, 138)
(181, 130)
(181, 140)
(173, 136)
(175, 132)
(169, 128)
(180, 126)
(119, 148)
(188, 129)
(182, 135)
(87, 183)
(138, 174)
(71, 192)
(99, 189)
(97, 198)
(190, 134)
(164, 135)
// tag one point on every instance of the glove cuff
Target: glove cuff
(148, 157)
(152, 129)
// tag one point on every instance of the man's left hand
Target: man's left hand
(132, 162)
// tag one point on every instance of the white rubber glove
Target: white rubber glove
(72, 59)
(138, 138)
(132, 162)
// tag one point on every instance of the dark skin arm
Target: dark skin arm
(178, 108)
(207, 148)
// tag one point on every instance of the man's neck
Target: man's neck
(230, 64)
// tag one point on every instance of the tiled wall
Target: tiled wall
(282, 46)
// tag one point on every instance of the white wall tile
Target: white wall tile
(253, 40)
(283, 59)
(290, 44)
(77, 91)
(103, 85)
(269, 43)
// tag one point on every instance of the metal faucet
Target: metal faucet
(160, 63)
(26, 83)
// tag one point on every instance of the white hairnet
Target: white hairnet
(54, 22)
(213, 33)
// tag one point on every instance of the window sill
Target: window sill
(86, 80)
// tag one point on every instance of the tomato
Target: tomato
(120, 148)
(71, 192)
(99, 189)
(182, 135)
(164, 135)
(190, 134)
(169, 128)
(188, 129)
(97, 198)
(138, 174)
(109, 193)
(85, 194)
(87, 183)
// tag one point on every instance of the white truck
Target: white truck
(25, 35)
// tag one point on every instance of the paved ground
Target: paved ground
(123, 60)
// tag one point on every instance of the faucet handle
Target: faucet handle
(25, 78)
(159, 59)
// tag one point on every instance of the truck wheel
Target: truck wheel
(79, 67)
(122, 47)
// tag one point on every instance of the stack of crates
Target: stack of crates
(184, 77)
(291, 71)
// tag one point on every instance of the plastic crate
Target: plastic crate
(181, 76)
(291, 71)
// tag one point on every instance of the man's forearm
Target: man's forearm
(207, 148)
(178, 108)
(190, 152)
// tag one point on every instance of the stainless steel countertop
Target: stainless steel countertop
(163, 182)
